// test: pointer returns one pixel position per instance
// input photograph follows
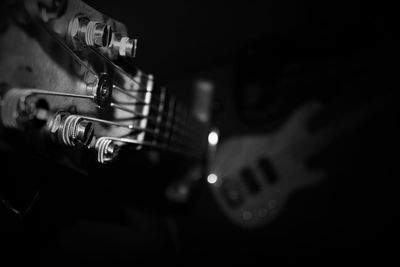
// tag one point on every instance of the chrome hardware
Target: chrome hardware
(101, 90)
(106, 149)
(123, 46)
(17, 111)
(69, 130)
(84, 32)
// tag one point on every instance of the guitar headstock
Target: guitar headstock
(70, 84)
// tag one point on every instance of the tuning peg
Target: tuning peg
(69, 130)
(123, 45)
(20, 110)
(84, 32)
(106, 149)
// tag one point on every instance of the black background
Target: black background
(351, 216)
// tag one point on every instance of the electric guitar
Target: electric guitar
(71, 93)
(252, 176)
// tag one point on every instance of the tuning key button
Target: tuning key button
(123, 45)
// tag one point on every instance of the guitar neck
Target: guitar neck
(86, 90)
(175, 128)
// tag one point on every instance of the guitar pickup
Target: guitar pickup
(250, 180)
(232, 193)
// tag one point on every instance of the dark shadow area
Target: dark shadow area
(267, 61)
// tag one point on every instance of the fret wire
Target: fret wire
(171, 105)
(132, 127)
(141, 101)
(179, 129)
(174, 130)
(177, 116)
(126, 92)
(150, 119)
(160, 110)
(112, 104)
(174, 142)
(188, 141)
(139, 116)
(166, 122)
(177, 119)
(173, 124)
(77, 58)
(120, 106)
(129, 94)
(152, 107)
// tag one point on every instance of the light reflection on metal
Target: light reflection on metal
(213, 138)
(84, 32)
(69, 130)
(212, 178)
(18, 110)
(123, 45)
(106, 149)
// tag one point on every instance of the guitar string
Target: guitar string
(128, 126)
(69, 50)
(132, 127)
(21, 214)
(66, 47)
(147, 144)
(181, 131)
(77, 58)
(170, 131)
(143, 102)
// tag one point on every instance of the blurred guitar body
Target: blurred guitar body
(101, 164)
